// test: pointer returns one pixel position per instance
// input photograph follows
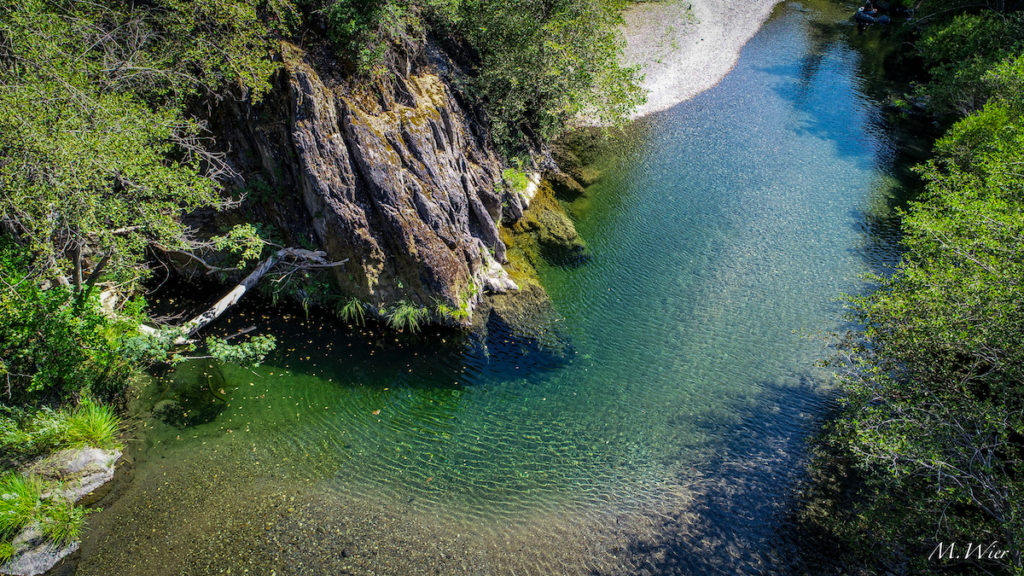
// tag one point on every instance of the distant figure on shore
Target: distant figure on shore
(871, 13)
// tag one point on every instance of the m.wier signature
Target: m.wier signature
(968, 551)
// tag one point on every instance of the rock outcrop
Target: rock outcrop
(395, 175)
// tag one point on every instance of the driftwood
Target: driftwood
(301, 259)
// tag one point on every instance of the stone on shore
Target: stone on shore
(79, 473)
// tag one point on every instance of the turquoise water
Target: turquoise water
(663, 436)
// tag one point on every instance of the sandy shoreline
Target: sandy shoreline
(687, 46)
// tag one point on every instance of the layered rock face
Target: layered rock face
(396, 176)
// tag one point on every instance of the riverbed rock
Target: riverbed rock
(565, 186)
(574, 154)
(560, 244)
(79, 473)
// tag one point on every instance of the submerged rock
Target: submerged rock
(564, 185)
(545, 232)
(560, 244)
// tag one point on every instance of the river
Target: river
(667, 434)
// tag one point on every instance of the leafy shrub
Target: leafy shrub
(517, 179)
(934, 408)
(960, 53)
(55, 346)
(252, 351)
(25, 435)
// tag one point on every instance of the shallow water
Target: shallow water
(664, 437)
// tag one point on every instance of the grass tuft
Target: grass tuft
(6, 551)
(92, 425)
(353, 312)
(22, 504)
(21, 501)
(446, 312)
(405, 316)
(62, 522)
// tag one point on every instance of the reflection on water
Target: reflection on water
(664, 437)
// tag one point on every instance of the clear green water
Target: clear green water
(663, 438)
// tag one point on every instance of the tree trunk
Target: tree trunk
(76, 256)
(93, 277)
(308, 258)
(231, 298)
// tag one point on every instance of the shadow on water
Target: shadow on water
(194, 396)
(740, 522)
(314, 343)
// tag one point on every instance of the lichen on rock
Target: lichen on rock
(36, 555)
(78, 471)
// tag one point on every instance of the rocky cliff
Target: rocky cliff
(396, 175)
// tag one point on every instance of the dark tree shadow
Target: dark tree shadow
(743, 519)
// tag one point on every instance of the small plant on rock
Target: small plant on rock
(353, 312)
(517, 179)
(406, 316)
(450, 313)
(26, 501)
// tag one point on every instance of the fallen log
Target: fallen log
(300, 258)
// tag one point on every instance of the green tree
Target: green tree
(538, 63)
(934, 411)
(52, 351)
(99, 158)
(543, 63)
(959, 53)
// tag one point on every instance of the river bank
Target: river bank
(687, 47)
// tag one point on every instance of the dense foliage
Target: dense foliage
(98, 161)
(99, 155)
(933, 420)
(544, 63)
(960, 53)
(53, 347)
(537, 64)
